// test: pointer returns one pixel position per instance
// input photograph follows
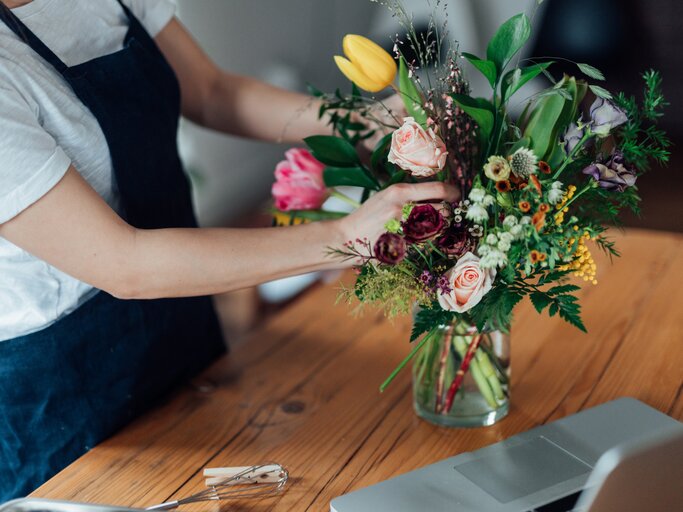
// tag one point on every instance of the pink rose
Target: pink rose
(299, 182)
(468, 282)
(419, 151)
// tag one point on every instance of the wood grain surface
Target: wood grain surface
(303, 391)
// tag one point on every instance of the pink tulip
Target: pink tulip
(299, 182)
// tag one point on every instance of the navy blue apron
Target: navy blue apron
(66, 388)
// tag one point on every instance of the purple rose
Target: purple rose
(606, 116)
(390, 248)
(572, 135)
(614, 173)
(455, 241)
(423, 223)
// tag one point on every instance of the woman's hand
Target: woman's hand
(369, 220)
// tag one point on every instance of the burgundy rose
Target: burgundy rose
(455, 241)
(390, 248)
(423, 223)
(614, 173)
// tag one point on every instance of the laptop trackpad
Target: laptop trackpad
(524, 469)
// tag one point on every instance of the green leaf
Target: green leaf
(540, 301)
(590, 71)
(508, 40)
(487, 68)
(314, 91)
(427, 319)
(332, 150)
(524, 142)
(412, 98)
(380, 151)
(510, 85)
(477, 111)
(541, 126)
(397, 177)
(599, 91)
(350, 177)
(563, 288)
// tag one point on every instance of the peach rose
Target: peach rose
(419, 151)
(468, 282)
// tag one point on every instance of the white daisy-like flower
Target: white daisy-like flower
(523, 162)
(484, 249)
(488, 200)
(504, 245)
(477, 213)
(525, 220)
(491, 239)
(477, 195)
(517, 231)
(505, 237)
(493, 259)
(555, 193)
(510, 221)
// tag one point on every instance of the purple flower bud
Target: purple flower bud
(572, 135)
(423, 223)
(614, 173)
(606, 116)
(390, 248)
(455, 241)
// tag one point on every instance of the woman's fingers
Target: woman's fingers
(424, 192)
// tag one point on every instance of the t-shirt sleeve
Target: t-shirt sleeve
(153, 14)
(31, 162)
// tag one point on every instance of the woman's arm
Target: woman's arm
(73, 229)
(232, 103)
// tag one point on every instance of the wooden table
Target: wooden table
(303, 392)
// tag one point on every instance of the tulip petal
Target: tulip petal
(353, 73)
(371, 58)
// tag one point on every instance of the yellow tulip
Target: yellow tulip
(367, 64)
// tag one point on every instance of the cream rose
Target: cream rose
(419, 151)
(468, 282)
(497, 168)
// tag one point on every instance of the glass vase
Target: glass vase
(461, 376)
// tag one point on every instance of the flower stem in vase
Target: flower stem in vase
(467, 355)
(489, 373)
(443, 363)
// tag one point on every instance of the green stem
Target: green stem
(476, 372)
(344, 197)
(490, 374)
(573, 152)
(403, 363)
(585, 189)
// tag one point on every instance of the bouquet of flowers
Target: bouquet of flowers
(538, 190)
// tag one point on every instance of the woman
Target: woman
(104, 275)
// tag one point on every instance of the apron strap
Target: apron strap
(23, 32)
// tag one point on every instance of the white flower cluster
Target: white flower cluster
(480, 200)
(495, 247)
(555, 193)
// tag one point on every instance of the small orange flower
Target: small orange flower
(542, 256)
(544, 167)
(525, 206)
(537, 184)
(534, 256)
(503, 186)
(543, 208)
(538, 220)
(517, 182)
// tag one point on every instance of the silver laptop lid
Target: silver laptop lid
(641, 476)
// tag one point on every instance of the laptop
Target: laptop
(621, 456)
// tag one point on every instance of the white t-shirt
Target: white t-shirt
(44, 128)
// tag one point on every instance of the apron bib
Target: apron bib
(68, 387)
